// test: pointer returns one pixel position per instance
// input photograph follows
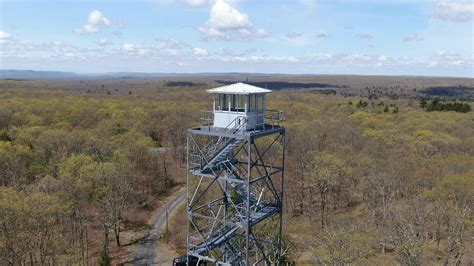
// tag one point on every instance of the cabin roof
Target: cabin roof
(238, 88)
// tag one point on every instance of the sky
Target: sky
(367, 37)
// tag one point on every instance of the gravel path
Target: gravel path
(149, 252)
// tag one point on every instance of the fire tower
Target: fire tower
(235, 180)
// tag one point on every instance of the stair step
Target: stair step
(222, 153)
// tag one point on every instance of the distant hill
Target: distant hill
(223, 77)
(32, 74)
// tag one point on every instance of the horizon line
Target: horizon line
(99, 74)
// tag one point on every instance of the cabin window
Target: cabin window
(238, 103)
(256, 102)
(253, 103)
(216, 101)
(222, 102)
(260, 102)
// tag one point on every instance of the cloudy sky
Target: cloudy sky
(382, 37)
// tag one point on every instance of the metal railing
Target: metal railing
(270, 117)
(207, 115)
(274, 117)
(215, 146)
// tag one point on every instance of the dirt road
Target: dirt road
(149, 251)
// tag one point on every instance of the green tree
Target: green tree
(15, 164)
(423, 103)
(29, 227)
(77, 187)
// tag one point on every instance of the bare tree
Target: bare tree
(326, 171)
(340, 246)
(408, 230)
(379, 190)
(177, 124)
(112, 195)
(299, 147)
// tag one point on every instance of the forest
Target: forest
(77, 170)
(373, 176)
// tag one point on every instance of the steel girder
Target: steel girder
(235, 195)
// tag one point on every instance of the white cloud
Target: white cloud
(231, 52)
(68, 55)
(27, 46)
(261, 33)
(104, 42)
(321, 56)
(250, 34)
(364, 36)
(60, 44)
(95, 22)
(293, 35)
(133, 49)
(41, 50)
(128, 47)
(353, 59)
(195, 3)
(225, 17)
(4, 37)
(226, 51)
(162, 48)
(261, 59)
(171, 55)
(413, 37)
(228, 23)
(172, 52)
(454, 11)
(200, 52)
(169, 44)
(446, 59)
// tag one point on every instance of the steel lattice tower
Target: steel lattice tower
(235, 181)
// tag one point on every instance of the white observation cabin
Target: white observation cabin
(239, 104)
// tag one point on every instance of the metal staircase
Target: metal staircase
(225, 233)
(221, 156)
(241, 206)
